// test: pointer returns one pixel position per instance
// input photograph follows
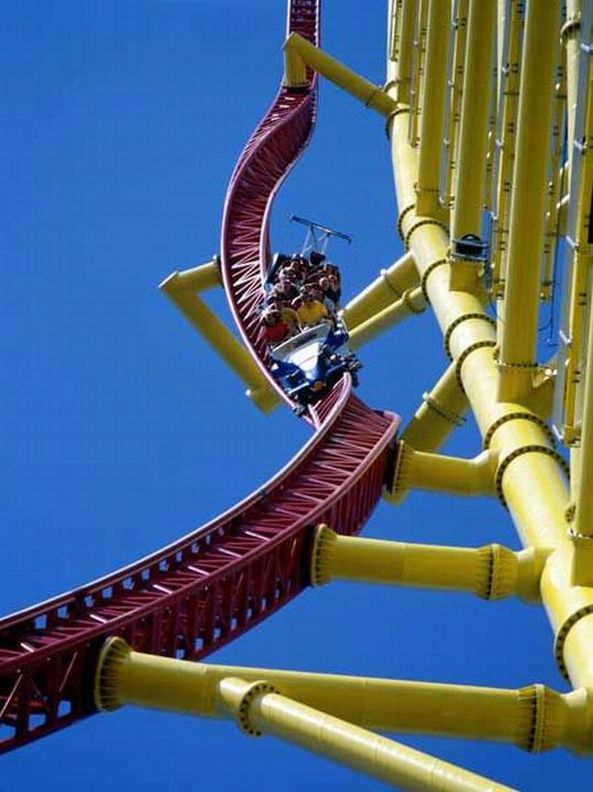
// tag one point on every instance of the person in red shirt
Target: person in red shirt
(275, 330)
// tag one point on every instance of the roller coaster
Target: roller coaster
(488, 109)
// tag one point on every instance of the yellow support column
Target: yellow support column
(403, 74)
(508, 81)
(433, 109)
(451, 139)
(490, 572)
(470, 174)
(519, 318)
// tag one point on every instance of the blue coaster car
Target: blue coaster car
(309, 363)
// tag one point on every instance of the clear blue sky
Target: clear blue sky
(121, 430)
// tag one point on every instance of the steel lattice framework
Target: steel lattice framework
(191, 597)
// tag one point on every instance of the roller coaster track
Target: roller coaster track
(195, 595)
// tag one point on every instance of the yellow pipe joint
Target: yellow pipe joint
(371, 95)
(410, 303)
(382, 292)
(441, 411)
(437, 472)
(260, 709)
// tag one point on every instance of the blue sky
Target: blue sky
(121, 430)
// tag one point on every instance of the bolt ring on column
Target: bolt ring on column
(401, 217)
(517, 416)
(572, 25)
(448, 415)
(428, 271)
(384, 273)
(527, 449)
(254, 690)
(422, 221)
(560, 639)
(406, 299)
(466, 353)
(459, 320)
(393, 114)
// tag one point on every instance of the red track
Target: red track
(197, 594)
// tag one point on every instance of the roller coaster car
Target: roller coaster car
(309, 363)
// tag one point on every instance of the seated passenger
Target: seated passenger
(308, 310)
(301, 266)
(275, 329)
(334, 292)
(328, 295)
(289, 317)
(278, 262)
(284, 290)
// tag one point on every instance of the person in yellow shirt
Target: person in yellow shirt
(309, 311)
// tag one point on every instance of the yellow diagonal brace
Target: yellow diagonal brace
(260, 709)
(441, 411)
(372, 95)
(181, 288)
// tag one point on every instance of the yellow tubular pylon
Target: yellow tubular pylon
(518, 325)
(571, 40)
(534, 718)
(510, 27)
(433, 109)
(530, 476)
(471, 155)
(583, 517)
(403, 75)
(456, 85)
(382, 292)
(182, 288)
(441, 411)
(491, 572)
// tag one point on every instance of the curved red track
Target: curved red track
(193, 596)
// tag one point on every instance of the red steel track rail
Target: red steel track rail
(200, 592)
